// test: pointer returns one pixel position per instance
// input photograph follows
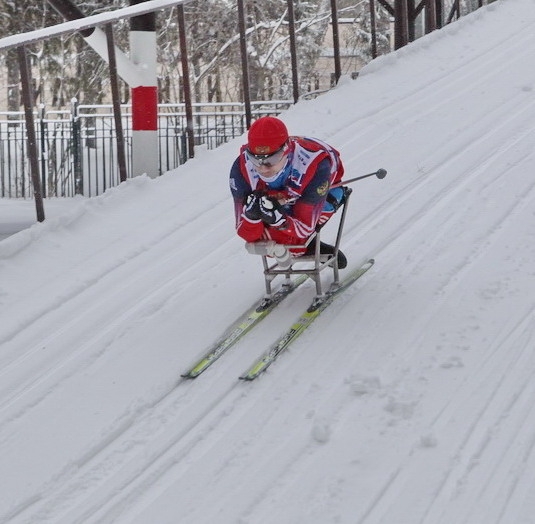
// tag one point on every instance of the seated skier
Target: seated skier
(281, 187)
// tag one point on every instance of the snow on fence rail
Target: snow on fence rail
(86, 23)
(80, 144)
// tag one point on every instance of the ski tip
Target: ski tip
(190, 375)
(252, 374)
(367, 264)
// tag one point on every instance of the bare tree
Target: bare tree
(66, 67)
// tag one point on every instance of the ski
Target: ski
(242, 326)
(304, 321)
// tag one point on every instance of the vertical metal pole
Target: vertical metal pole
(27, 97)
(244, 64)
(119, 134)
(430, 16)
(44, 154)
(336, 41)
(185, 80)
(411, 21)
(401, 23)
(439, 14)
(77, 149)
(293, 51)
(373, 24)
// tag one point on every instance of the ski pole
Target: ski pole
(380, 173)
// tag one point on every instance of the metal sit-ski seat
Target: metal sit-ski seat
(278, 259)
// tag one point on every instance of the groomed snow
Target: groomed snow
(411, 400)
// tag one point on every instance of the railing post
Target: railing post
(430, 16)
(244, 64)
(401, 23)
(373, 23)
(185, 80)
(27, 96)
(439, 13)
(76, 144)
(119, 134)
(43, 131)
(336, 41)
(293, 50)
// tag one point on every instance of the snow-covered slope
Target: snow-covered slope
(411, 400)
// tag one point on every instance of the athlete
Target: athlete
(281, 187)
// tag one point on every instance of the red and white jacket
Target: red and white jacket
(313, 167)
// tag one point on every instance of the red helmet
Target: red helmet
(266, 136)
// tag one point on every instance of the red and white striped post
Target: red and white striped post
(139, 72)
(145, 157)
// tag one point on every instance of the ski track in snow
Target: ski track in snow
(155, 298)
(181, 440)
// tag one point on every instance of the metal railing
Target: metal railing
(77, 148)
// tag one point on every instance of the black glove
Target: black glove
(271, 212)
(251, 208)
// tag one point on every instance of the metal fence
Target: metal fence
(77, 148)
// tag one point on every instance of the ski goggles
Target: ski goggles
(267, 160)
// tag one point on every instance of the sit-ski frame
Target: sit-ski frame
(320, 261)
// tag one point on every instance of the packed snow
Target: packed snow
(410, 400)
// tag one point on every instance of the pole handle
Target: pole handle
(380, 173)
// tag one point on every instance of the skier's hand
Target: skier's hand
(271, 212)
(251, 208)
